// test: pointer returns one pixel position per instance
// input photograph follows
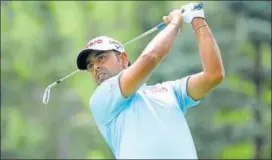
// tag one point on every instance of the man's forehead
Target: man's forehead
(94, 54)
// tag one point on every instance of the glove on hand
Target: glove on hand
(190, 11)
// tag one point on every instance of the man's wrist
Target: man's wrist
(176, 20)
(198, 21)
(175, 26)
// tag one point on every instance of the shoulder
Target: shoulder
(108, 94)
(104, 89)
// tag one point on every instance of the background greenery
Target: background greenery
(40, 42)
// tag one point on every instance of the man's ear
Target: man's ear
(124, 59)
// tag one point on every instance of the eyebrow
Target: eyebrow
(95, 54)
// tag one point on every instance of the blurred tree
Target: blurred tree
(258, 18)
(40, 41)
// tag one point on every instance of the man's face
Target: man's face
(103, 65)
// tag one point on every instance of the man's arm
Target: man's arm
(156, 50)
(213, 70)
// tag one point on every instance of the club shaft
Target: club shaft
(159, 27)
(140, 36)
(62, 79)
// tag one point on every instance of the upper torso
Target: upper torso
(149, 124)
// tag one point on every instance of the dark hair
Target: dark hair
(117, 52)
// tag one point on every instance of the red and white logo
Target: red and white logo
(94, 42)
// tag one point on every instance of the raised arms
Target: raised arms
(213, 70)
(155, 51)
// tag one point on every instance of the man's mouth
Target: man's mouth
(100, 76)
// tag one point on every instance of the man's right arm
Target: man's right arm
(133, 77)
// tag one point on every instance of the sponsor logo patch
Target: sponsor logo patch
(116, 44)
(92, 43)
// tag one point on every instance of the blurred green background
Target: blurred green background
(40, 42)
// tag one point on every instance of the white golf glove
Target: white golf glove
(190, 13)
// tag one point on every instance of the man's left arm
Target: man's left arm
(213, 70)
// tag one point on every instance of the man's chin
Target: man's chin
(103, 79)
(100, 81)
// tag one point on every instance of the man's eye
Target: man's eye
(101, 57)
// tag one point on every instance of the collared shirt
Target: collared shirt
(148, 124)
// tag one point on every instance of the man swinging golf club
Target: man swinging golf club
(140, 121)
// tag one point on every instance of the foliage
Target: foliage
(40, 41)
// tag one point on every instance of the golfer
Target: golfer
(147, 121)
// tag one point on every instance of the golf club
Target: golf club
(159, 27)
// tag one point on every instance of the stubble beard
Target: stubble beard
(107, 75)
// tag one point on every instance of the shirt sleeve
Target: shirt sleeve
(180, 89)
(107, 101)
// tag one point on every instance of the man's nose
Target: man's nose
(97, 66)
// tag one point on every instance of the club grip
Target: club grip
(163, 25)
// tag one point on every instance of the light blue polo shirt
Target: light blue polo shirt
(148, 124)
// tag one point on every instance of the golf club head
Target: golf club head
(46, 95)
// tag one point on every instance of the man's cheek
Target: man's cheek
(93, 77)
